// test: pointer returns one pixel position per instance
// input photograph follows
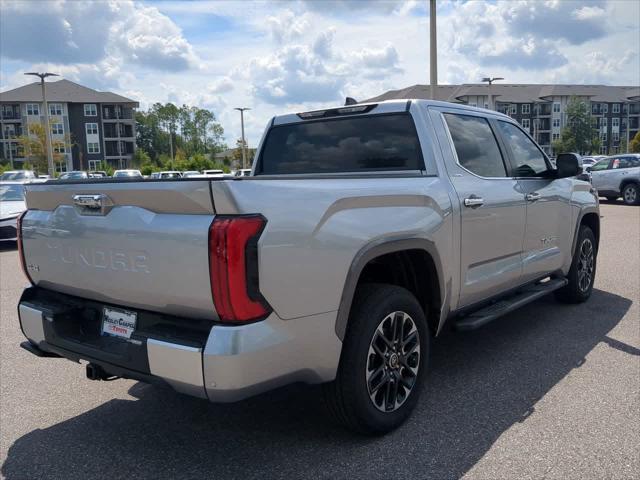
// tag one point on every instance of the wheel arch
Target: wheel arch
(592, 220)
(413, 263)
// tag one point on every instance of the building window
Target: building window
(526, 109)
(513, 109)
(603, 122)
(615, 108)
(615, 122)
(526, 124)
(55, 109)
(473, 105)
(93, 147)
(556, 107)
(59, 148)
(555, 136)
(90, 110)
(486, 105)
(556, 123)
(57, 129)
(33, 109)
(91, 128)
(95, 164)
(603, 136)
(605, 107)
(615, 136)
(603, 150)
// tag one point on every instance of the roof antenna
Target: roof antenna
(350, 101)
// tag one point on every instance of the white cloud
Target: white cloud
(82, 32)
(222, 85)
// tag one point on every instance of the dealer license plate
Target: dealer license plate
(119, 323)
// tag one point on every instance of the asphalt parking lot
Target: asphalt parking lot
(550, 391)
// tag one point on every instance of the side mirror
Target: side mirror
(568, 165)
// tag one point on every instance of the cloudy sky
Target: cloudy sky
(279, 56)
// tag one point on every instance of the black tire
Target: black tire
(631, 194)
(577, 290)
(348, 397)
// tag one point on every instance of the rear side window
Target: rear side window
(626, 162)
(357, 144)
(476, 146)
(528, 159)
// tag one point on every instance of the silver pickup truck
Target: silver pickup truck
(362, 231)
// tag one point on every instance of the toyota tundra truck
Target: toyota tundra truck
(362, 232)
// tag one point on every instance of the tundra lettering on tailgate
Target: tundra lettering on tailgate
(101, 258)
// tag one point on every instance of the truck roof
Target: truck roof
(386, 106)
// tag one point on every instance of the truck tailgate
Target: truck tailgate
(138, 244)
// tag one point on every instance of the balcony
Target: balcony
(11, 133)
(118, 130)
(116, 112)
(118, 148)
(542, 109)
(8, 113)
(542, 124)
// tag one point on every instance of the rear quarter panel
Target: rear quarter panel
(315, 228)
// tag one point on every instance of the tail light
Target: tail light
(21, 248)
(233, 268)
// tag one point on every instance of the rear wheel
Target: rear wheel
(631, 194)
(383, 362)
(583, 269)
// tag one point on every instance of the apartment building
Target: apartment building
(89, 129)
(541, 109)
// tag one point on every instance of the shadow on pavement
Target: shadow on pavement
(480, 384)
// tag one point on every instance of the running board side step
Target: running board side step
(526, 295)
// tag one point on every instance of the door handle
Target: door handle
(473, 201)
(532, 197)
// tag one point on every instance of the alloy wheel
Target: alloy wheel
(586, 262)
(630, 194)
(393, 361)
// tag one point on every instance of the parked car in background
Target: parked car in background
(129, 173)
(171, 174)
(75, 175)
(335, 263)
(12, 205)
(12, 175)
(191, 174)
(154, 175)
(98, 174)
(587, 161)
(44, 177)
(618, 176)
(243, 172)
(213, 173)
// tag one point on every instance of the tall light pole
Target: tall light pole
(490, 81)
(47, 127)
(244, 144)
(433, 50)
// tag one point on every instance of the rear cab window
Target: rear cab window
(372, 143)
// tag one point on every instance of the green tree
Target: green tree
(579, 135)
(34, 145)
(634, 144)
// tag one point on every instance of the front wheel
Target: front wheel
(583, 269)
(383, 362)
(631, 194)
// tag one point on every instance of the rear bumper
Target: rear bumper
(226, 364)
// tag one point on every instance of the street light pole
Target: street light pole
(433, 50)
(244, 144)
(490, 81)
(47, 127)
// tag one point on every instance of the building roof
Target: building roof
(62, 91)
(515, 93)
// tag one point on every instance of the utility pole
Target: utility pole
(433, 49)
(490, 81)
(47, 127)
(244, 143)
